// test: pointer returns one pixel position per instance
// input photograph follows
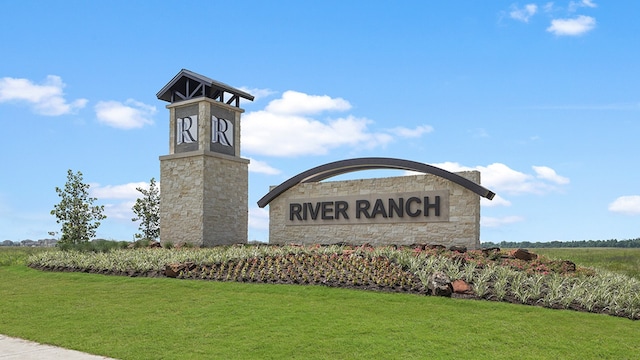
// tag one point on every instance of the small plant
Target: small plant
(147, 211)
(76, 213)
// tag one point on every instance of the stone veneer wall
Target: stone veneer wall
(204, 198)
(463, 227)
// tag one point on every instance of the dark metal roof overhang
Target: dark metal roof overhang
(189, 85)
(329, 170)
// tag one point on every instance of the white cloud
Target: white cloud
(45, 99)
(124, 191)
(628, 205)
(525, 13)
(547, 173)
(501, 179)
(572, 27)
(496, 201)
(259, 218)
(261, 167)
(120, 211)
(271, 134)
(257, 93)
(297, 103)
(132, 114)
(411, 133)
(284, 128)
(488, 221)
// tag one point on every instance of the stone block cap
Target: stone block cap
(188, 85)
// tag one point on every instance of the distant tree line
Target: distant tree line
(612, 243)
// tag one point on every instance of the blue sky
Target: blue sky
(541, 97)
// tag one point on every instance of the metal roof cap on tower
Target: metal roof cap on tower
(188, 85)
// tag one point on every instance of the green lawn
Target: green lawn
(143, 318)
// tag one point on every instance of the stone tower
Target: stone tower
(204, 181)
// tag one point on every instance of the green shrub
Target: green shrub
(96, 246)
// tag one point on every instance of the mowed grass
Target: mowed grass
(624, 261)
(143, 318)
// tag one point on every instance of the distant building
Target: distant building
(47, 242)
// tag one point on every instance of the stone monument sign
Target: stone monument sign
(436, 207)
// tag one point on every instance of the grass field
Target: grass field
(144, 318)
(624, 261)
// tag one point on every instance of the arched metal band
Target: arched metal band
(329, 170)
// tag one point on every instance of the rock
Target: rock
(568, 266)
(487, 251)
(172, 270)
(523, 254)
(154, 245)
(458, 248)
(461, 287)
(440, 284)
(435, 246)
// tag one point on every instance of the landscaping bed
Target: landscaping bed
(491, 274)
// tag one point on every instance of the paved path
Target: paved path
(14, 349)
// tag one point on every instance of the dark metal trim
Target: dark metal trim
(203, 86)
(336, 168)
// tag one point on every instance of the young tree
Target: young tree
(76, 213)
(147, 211)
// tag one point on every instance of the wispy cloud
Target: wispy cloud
(493, 222)
(258, 93)
(523, 14)
(575, 5)
(572, 27)
(479, 133)
(128, 115)
(261, 167)
(46, 98)
(258, 218)
(613, 106)
(411, 133)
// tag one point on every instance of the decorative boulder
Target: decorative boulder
(172, 270)
(523, 254)
(461, 287)
(458, 248)
(440, 284)
(154, 245)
